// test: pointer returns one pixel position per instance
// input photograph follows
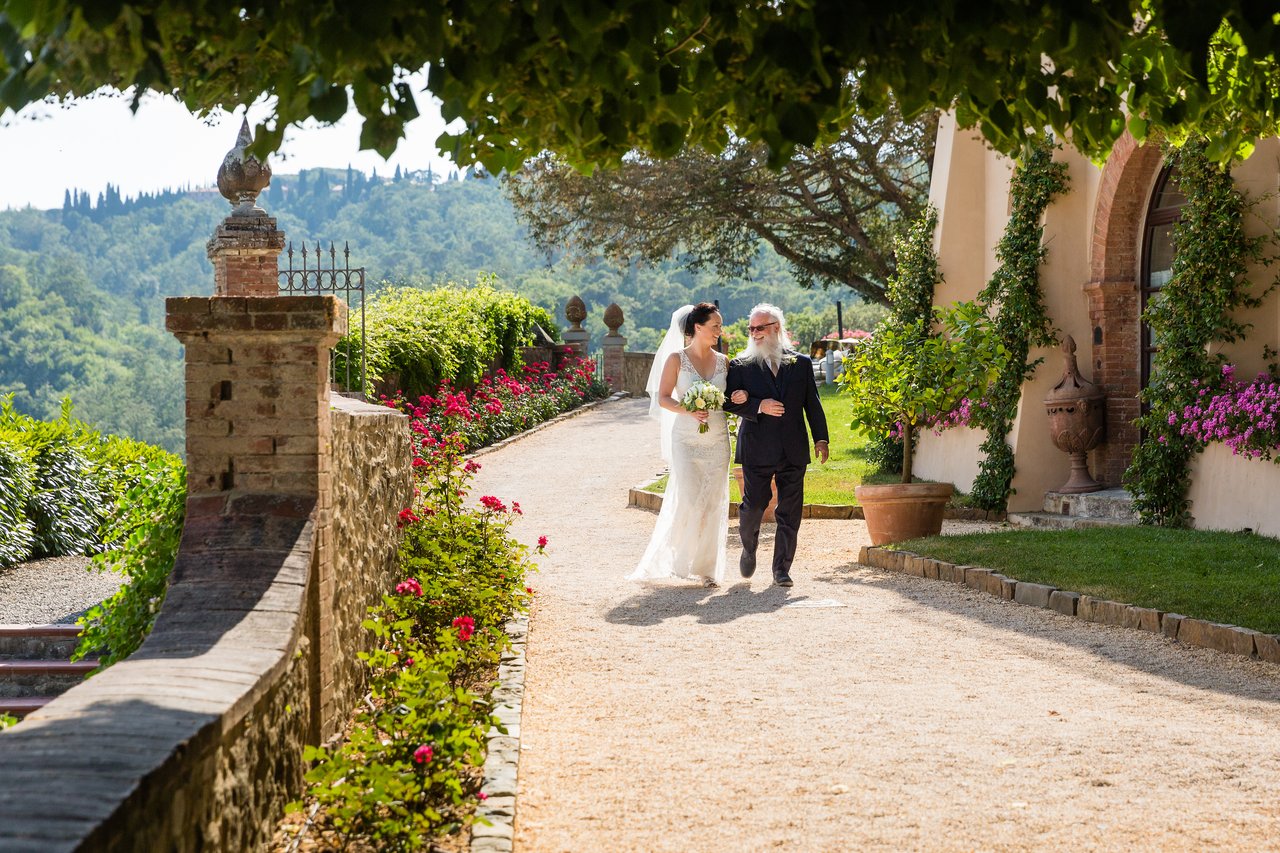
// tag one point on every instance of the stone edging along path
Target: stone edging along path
(1196, 632)
(502, 759)
(638, 497)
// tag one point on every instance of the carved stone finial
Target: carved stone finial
(575, 311)
(613, 317)
(242, 176)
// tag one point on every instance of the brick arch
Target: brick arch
(1112, 291)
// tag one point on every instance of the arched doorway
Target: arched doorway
(1163, 213)
(1114, 290)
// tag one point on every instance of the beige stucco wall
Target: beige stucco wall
(1231, 493)
(971, 191)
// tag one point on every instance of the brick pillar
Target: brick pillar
(613, 345)
(1113, 314)
(259, 438)
(244, 252)
(257, 391)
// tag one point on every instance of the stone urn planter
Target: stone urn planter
(1077, 412)
(773, 502)
(899, 511)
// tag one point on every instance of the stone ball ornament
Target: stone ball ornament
(242, 176)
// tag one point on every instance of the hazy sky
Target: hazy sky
(48, 149)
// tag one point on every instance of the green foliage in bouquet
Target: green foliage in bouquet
(418, 339)
(905, 376)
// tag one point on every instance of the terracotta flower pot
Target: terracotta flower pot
(773, 502)
(901, 511)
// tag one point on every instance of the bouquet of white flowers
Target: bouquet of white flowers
(702, 396)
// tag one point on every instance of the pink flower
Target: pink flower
(407, 516)
(471, 467)
(542, 541)
(466, 627)
(423, 754)
(515, 507)
(481, 796)
(410, 585)
(491, 503)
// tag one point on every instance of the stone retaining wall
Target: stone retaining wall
(371, 484)
(195, 741)
(635, 371)
(1196, 632)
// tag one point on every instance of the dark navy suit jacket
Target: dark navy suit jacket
(766, 440)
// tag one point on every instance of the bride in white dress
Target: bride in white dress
(689, 538)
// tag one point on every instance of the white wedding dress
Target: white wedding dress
(689, 538)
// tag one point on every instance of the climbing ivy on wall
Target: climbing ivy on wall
(910, 291)
(1195, 311)
(910, 288)
(1016, 303)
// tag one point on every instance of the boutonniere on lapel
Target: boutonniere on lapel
(788, 359)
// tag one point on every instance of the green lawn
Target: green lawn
(1222, 577)
(834, 482)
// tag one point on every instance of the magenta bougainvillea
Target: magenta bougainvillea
(1245, 416)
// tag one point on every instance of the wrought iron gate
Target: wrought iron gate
(314, 278)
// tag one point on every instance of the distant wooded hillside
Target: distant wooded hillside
(82, 288)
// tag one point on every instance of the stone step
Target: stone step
(1057, 521)
(1108, 503)
(20, 706)
(38, 642)
(37, 677)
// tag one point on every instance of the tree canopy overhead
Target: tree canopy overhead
(594, 79)
(831, 212)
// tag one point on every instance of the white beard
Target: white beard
(769, 349)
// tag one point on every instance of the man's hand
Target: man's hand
(820, 450)
(738, 397)
(772, 407)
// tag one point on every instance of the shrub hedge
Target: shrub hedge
(61, 483)
(418, 339)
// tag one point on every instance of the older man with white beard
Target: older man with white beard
(773, 444)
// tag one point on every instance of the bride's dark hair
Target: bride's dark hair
(700, 314)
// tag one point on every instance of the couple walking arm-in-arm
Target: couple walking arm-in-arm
(772, 390)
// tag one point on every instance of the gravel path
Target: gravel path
(861, 709)
(55, 589)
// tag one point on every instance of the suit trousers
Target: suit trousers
(757, 492)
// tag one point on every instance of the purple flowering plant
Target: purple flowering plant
(1245, 416)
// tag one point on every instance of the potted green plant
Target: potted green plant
(910, 375)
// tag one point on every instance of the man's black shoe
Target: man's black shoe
(783, 580)
(747, 564)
